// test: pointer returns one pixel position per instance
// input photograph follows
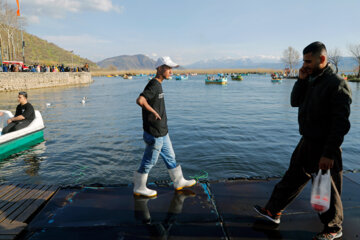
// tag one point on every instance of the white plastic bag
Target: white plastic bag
(321, 192)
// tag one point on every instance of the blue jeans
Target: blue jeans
(154, 147)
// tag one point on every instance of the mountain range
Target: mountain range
(140, 61)
(127, 62)
(244, 63)
(345, 64)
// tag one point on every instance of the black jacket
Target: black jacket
(324, 109)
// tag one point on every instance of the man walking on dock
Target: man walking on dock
(156, 136)
(323, 99)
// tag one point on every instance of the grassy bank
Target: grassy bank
(183, 71)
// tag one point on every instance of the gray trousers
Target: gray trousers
(304, 161)
(14, 126)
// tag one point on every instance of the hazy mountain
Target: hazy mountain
(346, 64)
(140, 61)
(234, 63)
(127, 62)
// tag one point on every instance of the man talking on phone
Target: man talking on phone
(323, 99)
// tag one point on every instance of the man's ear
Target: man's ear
(322, 59)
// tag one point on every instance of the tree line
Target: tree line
(291, 57)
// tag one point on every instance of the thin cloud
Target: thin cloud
(32, 19)
(78, 41)
(59, 8)
(81, 44)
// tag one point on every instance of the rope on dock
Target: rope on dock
(198, 177)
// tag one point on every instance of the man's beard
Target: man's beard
(316, 71)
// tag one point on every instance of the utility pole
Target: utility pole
(1, 60)
(23, 46)
(21, 29)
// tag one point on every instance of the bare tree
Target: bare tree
(1, 28)
(355, 51)
(291, 57)
(334, 57)
(9, 24)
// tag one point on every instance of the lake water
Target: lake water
(244, 129)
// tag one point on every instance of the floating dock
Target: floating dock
(209, 210)
(18, 202)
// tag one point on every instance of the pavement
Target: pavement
(209, 210)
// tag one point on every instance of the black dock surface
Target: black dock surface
(215, 210)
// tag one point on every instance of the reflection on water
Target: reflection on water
(244, 129)
(33, 159)
(28, 161)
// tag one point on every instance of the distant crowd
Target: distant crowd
(42, 68)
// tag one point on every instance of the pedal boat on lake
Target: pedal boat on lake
(181, 77)
(236, 77)
(127, 77)
(212, 80)
(276, 80)
(22, 139)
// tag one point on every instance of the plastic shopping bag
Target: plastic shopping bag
(321, 192)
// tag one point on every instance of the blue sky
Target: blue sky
(192, 30)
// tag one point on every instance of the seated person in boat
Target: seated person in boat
(24, 115)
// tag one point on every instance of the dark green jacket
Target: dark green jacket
(324, 109)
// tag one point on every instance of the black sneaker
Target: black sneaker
(328, 235)
(275, 218)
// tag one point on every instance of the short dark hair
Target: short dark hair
(23, 93)
(164, 66)
(316, 48)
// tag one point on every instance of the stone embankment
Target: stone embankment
(14, 81)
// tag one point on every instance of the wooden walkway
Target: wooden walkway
(18, 202)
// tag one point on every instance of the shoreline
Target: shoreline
(102, 73)
(354, 80)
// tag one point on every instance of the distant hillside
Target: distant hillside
(346, 64)
(127, 62)
(41, 51)
(245, 63)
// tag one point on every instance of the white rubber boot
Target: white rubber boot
(140, 188)
(178, 179)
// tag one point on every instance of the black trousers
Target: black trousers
(14, 126)
(304, 161)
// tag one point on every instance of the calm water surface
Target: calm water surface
(244, 129)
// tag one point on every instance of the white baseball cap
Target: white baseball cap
(166, 61)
